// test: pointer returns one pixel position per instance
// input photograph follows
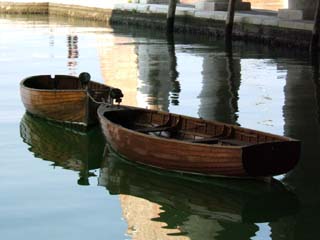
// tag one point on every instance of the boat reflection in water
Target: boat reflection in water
(65, 147)
(167, 204)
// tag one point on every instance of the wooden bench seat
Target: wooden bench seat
(212, 140)
(154, 129)
(234, 142)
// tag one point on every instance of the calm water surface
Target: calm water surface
(57, 183)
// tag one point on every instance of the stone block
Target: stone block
(289, 14)
(287, 24)
(252, 19)
(308, 26)
(243, 6)
(143, 8)
(152, 1)
(270, 21)
(204, 14)
(159, 9)
(220, 15)
(185, 12)
(220, 5)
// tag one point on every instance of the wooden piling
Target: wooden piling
(171, 15)
(313, 48)
(229, 21)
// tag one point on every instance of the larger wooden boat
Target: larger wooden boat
(194, 145)
(66, 99)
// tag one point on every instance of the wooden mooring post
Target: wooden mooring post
(313, 49)
(229, 21)
(171, 15)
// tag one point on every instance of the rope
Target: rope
(113, 94)
(94, 100)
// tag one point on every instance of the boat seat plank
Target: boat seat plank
(154, 129)
(212, 140)
(234, 142)
(187, 132)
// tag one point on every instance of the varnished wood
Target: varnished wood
(62, 98)
(239, 152)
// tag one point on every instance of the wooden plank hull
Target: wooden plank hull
(62, 98)
(58, 106)
(257, 158)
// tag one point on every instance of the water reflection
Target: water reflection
(301, 113)
(165, 204)
(316, 80)
(64, 147)
(158, 74)
(173, 73)
(73, 53)
(220, 85)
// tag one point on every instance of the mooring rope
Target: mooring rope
(95, 101)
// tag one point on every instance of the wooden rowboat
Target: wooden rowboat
(194, 145)
(66, 99)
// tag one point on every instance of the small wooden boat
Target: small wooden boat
(66, 99)
(194, 145)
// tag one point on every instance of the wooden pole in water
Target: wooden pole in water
(171, 15)
(229, 21)
(313, 49)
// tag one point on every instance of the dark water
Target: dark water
(58, 183)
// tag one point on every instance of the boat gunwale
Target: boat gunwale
(23, 81)
(283, 138)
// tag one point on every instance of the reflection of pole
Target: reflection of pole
(173, 73)
(233, 88)
(73, 52)
(229, 21)
(171, 15)
(315, 69)
(84, 172)
(315, 32)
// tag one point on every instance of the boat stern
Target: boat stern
(270, 159)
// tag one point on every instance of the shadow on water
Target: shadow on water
(301, 114)
(236, 205)
(67, 148)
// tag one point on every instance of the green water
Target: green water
(58, 183)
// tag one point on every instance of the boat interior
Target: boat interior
(60, 82)
(193, 130)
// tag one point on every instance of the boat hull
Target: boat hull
(260, 160)
(67, 103)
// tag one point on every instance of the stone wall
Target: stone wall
(263, 29)
(307, 7)
(24, 8)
